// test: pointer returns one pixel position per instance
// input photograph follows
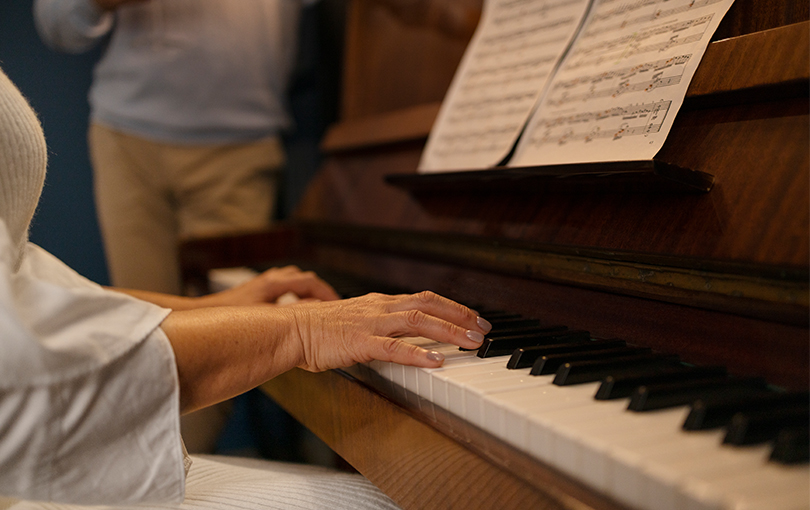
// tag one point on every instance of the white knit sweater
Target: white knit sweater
(23, 160)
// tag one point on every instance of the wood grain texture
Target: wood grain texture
(748, 16)
(758, 211)
(391, 64)
(756, 60)
(412, 123)
(751, 62)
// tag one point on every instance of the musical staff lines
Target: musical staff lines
(611, 84)
(612, 124)
(509, 12)
(563, 81)
(597, 22)
(664, 38)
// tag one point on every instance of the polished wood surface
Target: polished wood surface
(718, 278)
(392, 63)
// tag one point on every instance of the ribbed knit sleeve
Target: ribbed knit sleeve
(22, 164)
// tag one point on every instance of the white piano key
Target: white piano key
(644, 460)
(759, 484)
(397, 374)
(453, 359)
(511, 403)
(454, 380)
(478, 391)
(539, 436)
(797, 498)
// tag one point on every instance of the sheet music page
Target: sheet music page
(517, 45)
(622, 82)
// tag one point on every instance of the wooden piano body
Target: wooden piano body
(718, 277)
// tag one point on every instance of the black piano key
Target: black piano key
(580, 372)
(526, 330)
(513, 323)
(614, 387)
(506, 345)
(527, 333)
(717, 410)
(546, 365)
(494, 315)
(661, 396)
(525, 357)
(792, 446)
(752, 427)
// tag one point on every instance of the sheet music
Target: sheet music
(622, 82)
(514, 50)
(570, 81)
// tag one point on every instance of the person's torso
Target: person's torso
(197, 70)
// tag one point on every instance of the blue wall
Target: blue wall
(56, 85)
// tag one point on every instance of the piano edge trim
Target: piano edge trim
(757, 291)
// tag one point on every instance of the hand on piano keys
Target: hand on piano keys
(577, 416)
(338, 334)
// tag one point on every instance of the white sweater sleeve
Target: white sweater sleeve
(89, 398)
(71, 26)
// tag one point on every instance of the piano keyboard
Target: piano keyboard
(644, 460)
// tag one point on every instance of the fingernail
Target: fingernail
(475, 336)
(484, 324)
(435, 356)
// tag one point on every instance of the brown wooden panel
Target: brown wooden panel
(757, 212)
(392, 64)
(778, 352)
(754, 60)
(759, 63)
(747, 16)
(412, 123)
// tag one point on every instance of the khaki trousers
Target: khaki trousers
(151, 195)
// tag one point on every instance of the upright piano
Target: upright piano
(718, 278)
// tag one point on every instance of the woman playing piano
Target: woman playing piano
(93, 381)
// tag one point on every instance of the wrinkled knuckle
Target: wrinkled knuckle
(414, 318)
(427, 297)
(390, 347)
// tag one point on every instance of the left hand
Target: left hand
(270, 285)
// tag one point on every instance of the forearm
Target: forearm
(165, 300)
(222, 352)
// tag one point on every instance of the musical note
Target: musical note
(582, 80)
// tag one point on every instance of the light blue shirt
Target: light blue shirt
(183, 71)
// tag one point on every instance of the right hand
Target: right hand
(340, 333)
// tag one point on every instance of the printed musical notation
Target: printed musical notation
(514, 51)
(567, 81)
(613, 124)
(611, 84)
